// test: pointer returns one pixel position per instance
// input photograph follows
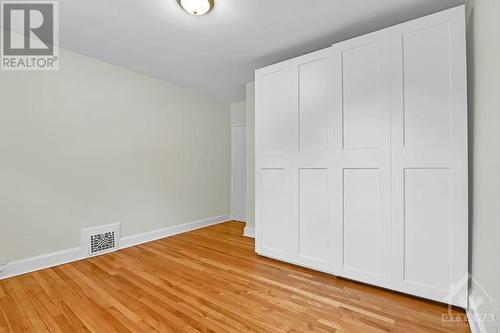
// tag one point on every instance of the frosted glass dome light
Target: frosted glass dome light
(197, 7)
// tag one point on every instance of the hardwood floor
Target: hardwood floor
(208, 280)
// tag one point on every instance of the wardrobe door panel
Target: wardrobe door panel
(429, 149)
(311, 127)
(274, 210)
(275, 112)
(426, 86)
(363, 224)
(361, 95)
(313, 214)
(274, 227)
(361, 158)
(312, 105)
(427, 224)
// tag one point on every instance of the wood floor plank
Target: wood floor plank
(207, 280)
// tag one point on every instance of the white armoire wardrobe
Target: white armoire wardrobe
(361, 159)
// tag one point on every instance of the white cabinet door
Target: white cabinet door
(429, 148)
(362, 162)
(273, 204)
(311, 144)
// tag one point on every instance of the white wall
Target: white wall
(250, 121)
(483, 29)
(95, 144)
(238, 112)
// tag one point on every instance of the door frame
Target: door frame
(233, 127)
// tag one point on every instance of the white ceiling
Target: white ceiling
(217, 53)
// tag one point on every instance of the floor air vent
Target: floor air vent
(100, 240)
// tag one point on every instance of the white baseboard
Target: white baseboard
(249, 232)
(476, 326)
(24, 266)
(170, 231)
(472, 323)
(29, 265)
(238, 219)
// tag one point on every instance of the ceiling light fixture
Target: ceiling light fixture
(197, 7)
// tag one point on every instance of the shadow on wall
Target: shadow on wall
(365, 25)
(483, 71)
(470, 101)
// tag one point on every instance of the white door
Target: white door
(311, 145)
(238, 172)
(361, 158)
(429, 148)
(273, 209)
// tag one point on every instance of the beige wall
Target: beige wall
(250, 121)
(238, 112)
(483, 37)
(94, 144)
